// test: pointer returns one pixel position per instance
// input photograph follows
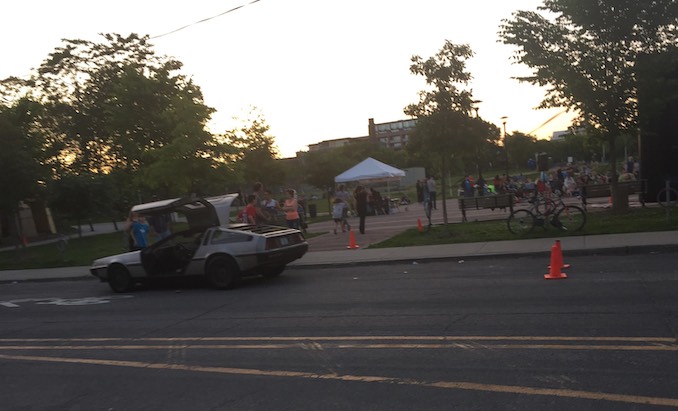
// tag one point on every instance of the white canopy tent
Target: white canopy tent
(371, 171)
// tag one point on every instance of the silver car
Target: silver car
(211, 247)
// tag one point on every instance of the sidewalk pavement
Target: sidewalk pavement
(664, 241)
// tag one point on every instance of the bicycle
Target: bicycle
(668, 196)
(543, 208)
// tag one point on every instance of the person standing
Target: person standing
(420, 191)
(360, 196)
(482, 185)
(344, 196)
(431, 185)
(271, 207)
(468, 186)
(291, 209)
(248, 215)
(138, 230)
(339, 216)
(260, 196)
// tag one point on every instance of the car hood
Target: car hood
(199, 212)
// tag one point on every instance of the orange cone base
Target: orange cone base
(351, 240)
(555, 276)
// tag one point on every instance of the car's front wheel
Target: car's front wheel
(119, 279)
(223, 272)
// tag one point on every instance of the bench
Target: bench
(501, 201)
(603, 190)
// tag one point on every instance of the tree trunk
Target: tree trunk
(16, 232)
(443, 191)
(620, 202)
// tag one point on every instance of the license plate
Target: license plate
(284, 241)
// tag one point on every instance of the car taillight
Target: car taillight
(271, 243)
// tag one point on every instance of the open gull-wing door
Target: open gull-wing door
(199, 213)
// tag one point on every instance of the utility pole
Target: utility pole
(505, 147)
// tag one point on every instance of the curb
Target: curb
(619, 251)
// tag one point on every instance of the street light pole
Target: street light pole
(478, 168)
(505, 147)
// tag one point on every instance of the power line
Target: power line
(204, 20)
(547, 121)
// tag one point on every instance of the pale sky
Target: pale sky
(316, 69)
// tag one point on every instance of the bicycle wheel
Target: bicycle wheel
(545, 206)
(667, 201)
(570, 218)
(520, 222)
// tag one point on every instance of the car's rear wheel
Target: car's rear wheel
(273, 271)
(119, 279)
(223, 272)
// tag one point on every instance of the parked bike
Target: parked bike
(547, 209)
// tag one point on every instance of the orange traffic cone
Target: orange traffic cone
(419, 226)
(554, 268)
(351, 240)
(560, 256)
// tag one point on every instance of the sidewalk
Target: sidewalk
(583, 245)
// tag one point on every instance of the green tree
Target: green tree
(117, 106)
(585, 53)
(22, 171)
(446, 126)
(523, 148)
(320, 167)
(256, 154)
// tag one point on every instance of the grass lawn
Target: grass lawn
(81, 251)
(598, 222)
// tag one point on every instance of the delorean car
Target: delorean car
(212, 247)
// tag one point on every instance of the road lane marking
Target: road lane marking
(458, 385)
(63, 301)
(669, 340)
(326, 346)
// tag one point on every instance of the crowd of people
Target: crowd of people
(262, 208)
(568, 181)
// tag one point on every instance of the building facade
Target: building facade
(394, 135)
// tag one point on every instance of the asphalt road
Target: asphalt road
(482, 334)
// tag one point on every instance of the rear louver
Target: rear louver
(284, 241)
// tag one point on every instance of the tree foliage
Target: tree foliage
(585, 54)
(22, 171)
(255, 152)
(116, 106)
(446, 127)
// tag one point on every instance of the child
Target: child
(339, 215)
(249, 214)
(138, 230)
